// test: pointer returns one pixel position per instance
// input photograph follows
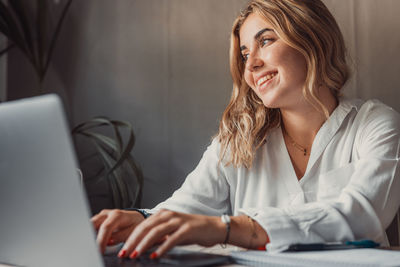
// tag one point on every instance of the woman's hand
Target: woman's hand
(170, 229)
(115, 226)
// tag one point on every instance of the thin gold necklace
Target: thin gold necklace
(296, 145)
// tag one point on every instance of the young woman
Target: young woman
(293, 160)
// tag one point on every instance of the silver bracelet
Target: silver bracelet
(227, 221)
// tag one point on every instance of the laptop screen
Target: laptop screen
(44, 211)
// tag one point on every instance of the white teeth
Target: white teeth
(265, 78)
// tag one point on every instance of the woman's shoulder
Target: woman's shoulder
(215, 150)
(372, 110)
(374, 119)
(375, 106)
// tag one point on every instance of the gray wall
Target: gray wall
(163, 66)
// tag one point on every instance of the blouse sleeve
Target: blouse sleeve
(360, 210)
(204, 191)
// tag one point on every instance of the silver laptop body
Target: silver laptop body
(44, 214)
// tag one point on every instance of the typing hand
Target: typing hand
(115, 226)
(170, 229)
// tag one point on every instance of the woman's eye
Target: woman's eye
(265, 41)
(245, 57)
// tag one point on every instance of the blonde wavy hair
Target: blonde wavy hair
(308, 27)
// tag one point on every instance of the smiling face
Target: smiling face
(274, 70)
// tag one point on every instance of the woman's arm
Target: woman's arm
(205, 191)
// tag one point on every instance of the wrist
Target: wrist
(260, 236)
(227, 221)
(247, 233)
(143, 212)
(220, 230)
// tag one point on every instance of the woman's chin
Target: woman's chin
(270, 103)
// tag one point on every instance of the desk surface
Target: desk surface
(112, 259)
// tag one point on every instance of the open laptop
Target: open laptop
(44, 214)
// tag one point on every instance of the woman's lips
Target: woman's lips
(263, 82)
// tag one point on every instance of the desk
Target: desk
(112, 260)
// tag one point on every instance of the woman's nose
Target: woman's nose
(254, 62)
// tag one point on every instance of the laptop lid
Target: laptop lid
(44, 214)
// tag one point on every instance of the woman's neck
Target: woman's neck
(302, 124)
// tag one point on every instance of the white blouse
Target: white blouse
(350, 190)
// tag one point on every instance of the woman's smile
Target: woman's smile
(265, 81)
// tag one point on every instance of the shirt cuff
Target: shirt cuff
(281, 230)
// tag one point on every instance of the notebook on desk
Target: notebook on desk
(329, 258)
(44, 212)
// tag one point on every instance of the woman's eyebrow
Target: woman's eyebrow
(257, 36)
(259, 33)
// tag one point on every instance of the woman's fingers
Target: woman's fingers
(107, 227)
(114, 226)
(99, 218)
(120, 235)
(176, 238)
(142, 230)
(156, 234)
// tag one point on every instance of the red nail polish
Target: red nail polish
(122, 253)
(153, 255)
(133, 255)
